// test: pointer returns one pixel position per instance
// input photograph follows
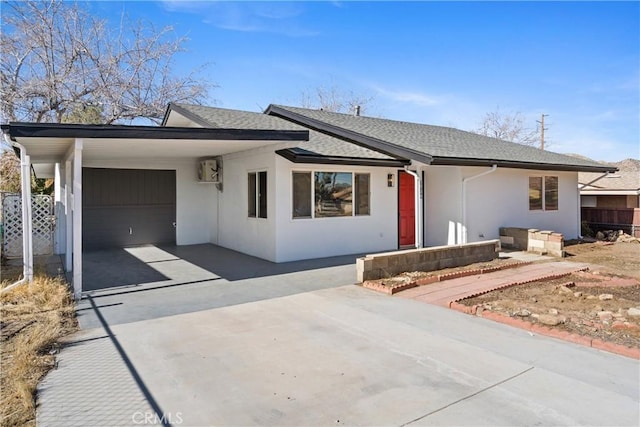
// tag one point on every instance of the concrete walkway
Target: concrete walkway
(443, 293)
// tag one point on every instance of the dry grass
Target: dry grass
(33, 317)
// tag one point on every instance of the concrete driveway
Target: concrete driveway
(326, 357)
(148, 282)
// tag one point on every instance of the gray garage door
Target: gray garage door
(125, 207)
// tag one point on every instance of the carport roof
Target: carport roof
(66, 130)
(47, 143)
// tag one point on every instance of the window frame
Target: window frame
(311, 173)
(547, 202)
(260, 201)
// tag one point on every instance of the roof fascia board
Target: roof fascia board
(167, 111)
(375, 144)
(452, 161)
(188, 114)
(63, 130)
(337, 160)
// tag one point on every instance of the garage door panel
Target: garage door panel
(125, 207)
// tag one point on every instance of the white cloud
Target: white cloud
(411, 97)
(267, 17)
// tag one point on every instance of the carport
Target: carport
(66, 152)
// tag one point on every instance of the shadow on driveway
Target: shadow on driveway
(148, 282)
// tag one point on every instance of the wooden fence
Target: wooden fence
(627, 219)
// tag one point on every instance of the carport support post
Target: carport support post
(68, 215)
(77, 219)
(27, 219)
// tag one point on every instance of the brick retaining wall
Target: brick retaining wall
(379, 266)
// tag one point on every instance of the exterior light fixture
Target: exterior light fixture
(390, 180)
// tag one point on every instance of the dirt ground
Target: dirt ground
(616, 258)
(602, 303)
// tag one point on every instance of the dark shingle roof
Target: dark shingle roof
(446, 145)
(318, 143)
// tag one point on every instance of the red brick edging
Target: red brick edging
(390, 290)
(631, 352)
(522, 282)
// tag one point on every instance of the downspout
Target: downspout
(418, 205)
(463, 237)
(27, 240)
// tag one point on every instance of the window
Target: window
(302, 194)
(543, 193)
(550, 193)
(332, 194)
(535, 193)
(362, 193)
(257, 186)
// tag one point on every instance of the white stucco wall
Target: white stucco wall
(443, 205)
(323, 237)
(499, 199)
(204, 215)
(235, 230)
(195, 202)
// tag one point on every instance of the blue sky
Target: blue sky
(441, 63)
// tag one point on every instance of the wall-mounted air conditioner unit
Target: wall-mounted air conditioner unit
(209, 171)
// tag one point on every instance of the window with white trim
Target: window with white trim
(543, 193)
(330, 194)
(257, 191)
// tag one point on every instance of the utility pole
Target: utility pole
(542, 129)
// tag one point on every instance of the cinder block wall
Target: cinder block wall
(514, 238)
(379, 266)
(532, 240)
(546, 242)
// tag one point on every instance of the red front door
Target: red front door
(406, 210)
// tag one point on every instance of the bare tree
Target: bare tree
(58, 60)
(9, 172)
(335, 99)
(508, 127)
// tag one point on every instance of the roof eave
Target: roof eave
(513, 164)
(64, 130)
(356, 138)
(340, 160)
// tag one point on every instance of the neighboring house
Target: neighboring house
(615, 190)
(295, 183)
(612, 201)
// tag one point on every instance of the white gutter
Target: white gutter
(27, 226)
(418, 206)
(464, 200)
